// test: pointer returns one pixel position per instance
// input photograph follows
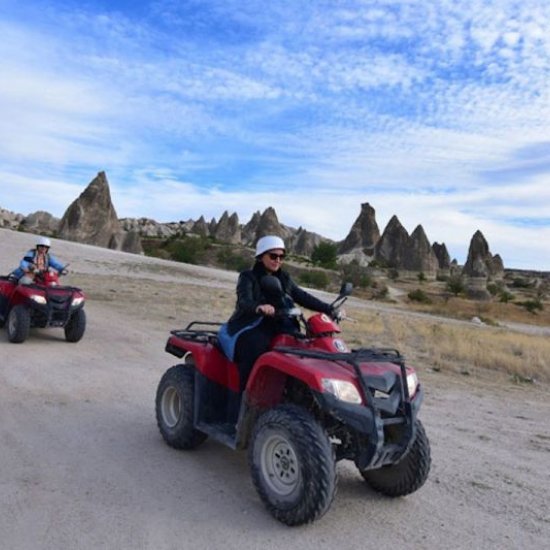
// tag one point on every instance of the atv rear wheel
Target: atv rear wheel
(174, 408)
(292, 465)
(407, 475)
(19, 323)
(74, 329)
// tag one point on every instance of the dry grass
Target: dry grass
(454, 347)
(431, 345)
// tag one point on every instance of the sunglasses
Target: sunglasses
(274, 256)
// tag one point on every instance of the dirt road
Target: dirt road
(82, 464)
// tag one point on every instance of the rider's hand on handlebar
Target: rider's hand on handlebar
(266, 309)
(338, 314)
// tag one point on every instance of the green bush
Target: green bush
(455, 285)
(229, 260)
(316, 279)
(419, 295)
(532, 306)
(324, 255)
(505, 297)
(356, 274)
(189, 250)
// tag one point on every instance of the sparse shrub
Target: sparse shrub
(393, 274)
(316, 279)
(505, 297)
(324, 255)
(532, 306)
(380, 291)
(421, 277)
(520, 282)
(455, 285)
(229, 260)
(419, 295)
(356, 274)
(189, 250)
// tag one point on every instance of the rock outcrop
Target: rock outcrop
(303, 242)
(391, 249)
(228, 229)
(442, 255)
(10, 220)
(92, 219)
(419, 255)
(41, 222)
(480, 262)
(481, 266)
(364, 233)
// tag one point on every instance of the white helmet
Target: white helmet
(43, 241)
(269, 242)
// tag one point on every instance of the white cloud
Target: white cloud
(421, 109)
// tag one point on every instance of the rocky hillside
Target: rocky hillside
(91, 218)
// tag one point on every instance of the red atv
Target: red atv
(309, 402)
(44, 303)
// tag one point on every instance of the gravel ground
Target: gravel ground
(84, 466)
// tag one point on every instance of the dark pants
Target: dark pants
(250, 345)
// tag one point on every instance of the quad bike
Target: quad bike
(44, 303)
(309, 402)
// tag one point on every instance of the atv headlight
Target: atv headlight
(77, 301)
(412, 383)
(38, 299)
(345, 391)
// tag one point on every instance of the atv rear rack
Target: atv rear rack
(199, 335)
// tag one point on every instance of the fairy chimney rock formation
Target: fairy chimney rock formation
(200, 227)
(92, 219)
(268, 224)
(480, 262)
(364, 233)
(304, 242)
(392, 246)
(419, 255)
(442, 255)
(228, 229)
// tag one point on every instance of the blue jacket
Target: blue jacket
(28, 260)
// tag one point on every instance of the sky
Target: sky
(437, 112)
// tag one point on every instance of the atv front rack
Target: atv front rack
(387, 403)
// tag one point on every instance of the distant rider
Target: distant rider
(35, 261)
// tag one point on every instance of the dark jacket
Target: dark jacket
(250, 295)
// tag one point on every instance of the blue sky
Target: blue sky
(435, 111)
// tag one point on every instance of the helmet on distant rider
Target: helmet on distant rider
(43, 241)
(269, 242)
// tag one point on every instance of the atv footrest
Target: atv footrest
(223, 432)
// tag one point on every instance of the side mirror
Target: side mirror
(345, 289)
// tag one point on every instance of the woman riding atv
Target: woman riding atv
(37, 260)
(253, 324)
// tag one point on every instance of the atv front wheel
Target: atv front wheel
(292, 465)
(74, 329)
(174, 408)
(407, 475)
(19, 323)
